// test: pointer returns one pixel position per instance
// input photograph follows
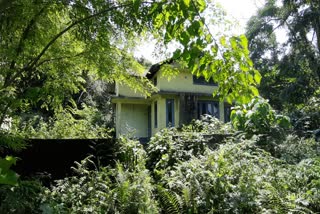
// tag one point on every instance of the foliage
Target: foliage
(23, 198)
(179, 173)
(126, 188)
(258, 117)
(241, 178)
(97, 37)
(307, 118)
(11, 140)
(168, 147)
(294, 149)
(288, 63)
(66, 123)
(171, 146)
(208, 125)
(169, 202)
(7, 176)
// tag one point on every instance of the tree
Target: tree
(290, 70)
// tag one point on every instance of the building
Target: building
(178, 101)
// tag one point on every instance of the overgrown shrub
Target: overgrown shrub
(295, 149)
(258, 117)
(180, 173)
(241, 178)
(20, 199)
(208, 125)
(306, 120)
(126, 188)
(169, 147)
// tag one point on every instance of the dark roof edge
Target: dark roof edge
(156, 67)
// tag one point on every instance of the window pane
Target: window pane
(155, 114)
(208, 107)
(227, 113)
(170, 113)
(202, 81)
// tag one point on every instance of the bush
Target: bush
(126, 188)
(241, 178)
(294, 149)
(306, 120)
(169, 147)
(23, 198)
(258, 117)
(180, 173)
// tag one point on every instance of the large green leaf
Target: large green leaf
(7, 176)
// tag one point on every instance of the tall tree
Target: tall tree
(291, 70)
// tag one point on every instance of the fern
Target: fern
(169, 201)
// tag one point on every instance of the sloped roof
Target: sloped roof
(156, 67)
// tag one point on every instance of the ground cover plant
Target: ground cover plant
(180, 173)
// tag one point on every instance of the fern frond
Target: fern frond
(169, 201)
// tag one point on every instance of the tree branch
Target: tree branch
(24, 36)
(34, 62)
(59, 58)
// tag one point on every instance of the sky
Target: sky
(239, 10)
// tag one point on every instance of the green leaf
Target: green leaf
(223, 41)
(186, 2)
(257, 76)
(136, 5)
(254, 90)
(176, 54)
(8, 176)
(244, 41)
(233, 42)
(202, 5)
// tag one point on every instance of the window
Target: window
(155, 81)
(155, 114)
(208, 107)
(227, 113)
(202, 81)
(170, 113)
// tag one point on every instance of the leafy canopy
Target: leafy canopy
(46, 48)
(290, 68)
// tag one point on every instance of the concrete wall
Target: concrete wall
(182, 82)
(126, 91)
(132, 120)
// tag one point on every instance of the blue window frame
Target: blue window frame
(170, 112)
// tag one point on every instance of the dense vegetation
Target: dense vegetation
(56, 58)
(184, 171)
